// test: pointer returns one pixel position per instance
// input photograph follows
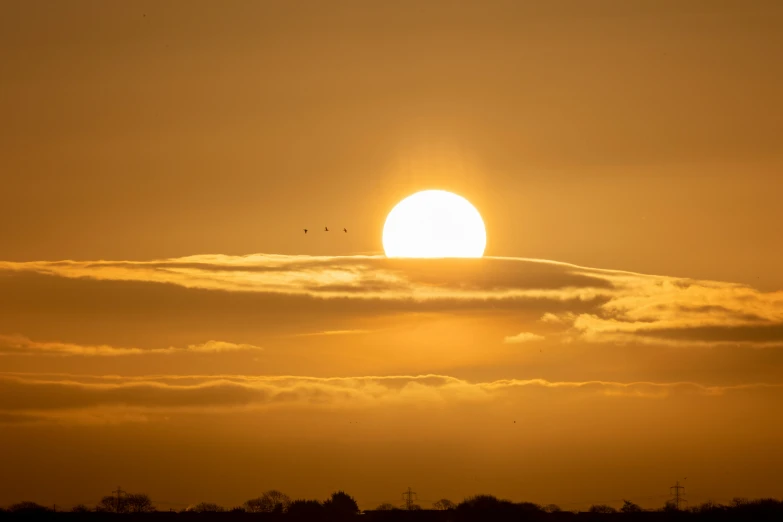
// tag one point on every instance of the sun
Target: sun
(434, 223)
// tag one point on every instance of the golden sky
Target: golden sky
(165, 324)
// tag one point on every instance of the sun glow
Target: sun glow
(434, 223)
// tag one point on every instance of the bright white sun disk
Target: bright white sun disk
(434, 223)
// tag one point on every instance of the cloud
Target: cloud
(523, 337)
(562, 318)
(352, 277)
(219, 346)
(16, 418)
(684, 312)
(587, 304)
(24, 396)
(20, 345)
(333, 332)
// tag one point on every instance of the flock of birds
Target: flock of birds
(326, 229)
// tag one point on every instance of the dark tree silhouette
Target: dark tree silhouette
(341, 507)
(739, 502)
(27, 507)
(601, 508)
(139, 503)
(305, 509)
(630, 507)
(206, 507)
(669, 506)
(111, 504)
(272, 501)
(341, 504)
(80, 508)
(444, 504)
(529, 507)
(707, 507)
(475, 500)
(758, 509)
(483, 502)
(487, 507)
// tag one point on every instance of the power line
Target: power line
(166, 502)
(606, 501)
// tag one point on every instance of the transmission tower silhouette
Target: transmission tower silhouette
(409, 496)
(678, 498)
(119, 492)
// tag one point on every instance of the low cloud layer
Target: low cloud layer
(588, 304)
(25, 396)
(18, 344)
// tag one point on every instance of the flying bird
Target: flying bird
(345, 230)
(305, 231)
(326, 229)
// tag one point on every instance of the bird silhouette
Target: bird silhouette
(305, 231)
(326, 229)
(345, 230)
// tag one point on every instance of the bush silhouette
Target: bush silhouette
(444, 504)
(341, 504)
(529, 507)
(112, 504)
(206, 507)
(487, 507)
(707, 507)
(601, 508)
(275, 506)
(273, 501)
(27, 507)
(669, 507)
(139, 503)
(630, 507)
(306, 509)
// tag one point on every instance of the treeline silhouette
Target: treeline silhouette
(274, 505)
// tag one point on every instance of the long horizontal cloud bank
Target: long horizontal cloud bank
(606, 305)
(18, 344)
(355, 277)
(46, 395)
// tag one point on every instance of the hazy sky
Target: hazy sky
(165, 324)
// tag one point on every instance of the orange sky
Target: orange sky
(166, 326)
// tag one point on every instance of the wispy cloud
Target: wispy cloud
(523, 337)
(333, 332)
(352, 277)
(18, 344)
(589, 304)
